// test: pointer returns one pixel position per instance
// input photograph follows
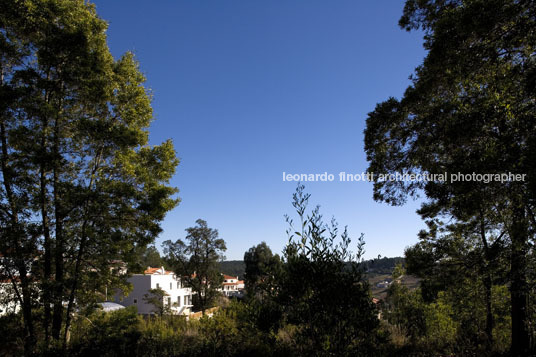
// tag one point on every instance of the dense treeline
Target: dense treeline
(381, 265)
(233, 268)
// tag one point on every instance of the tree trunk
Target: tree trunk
(519, 285)
(29, 338)
(489, 312)
(487, 281)
(25, 296)
(74, 287)
(57, 317)
(46, 243)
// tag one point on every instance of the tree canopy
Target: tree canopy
(196, 260)
(470, 109)
(80, 184)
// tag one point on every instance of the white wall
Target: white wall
(143, 283)
(8, 300)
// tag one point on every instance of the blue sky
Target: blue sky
(248, 90)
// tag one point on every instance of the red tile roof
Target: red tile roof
(151, 271)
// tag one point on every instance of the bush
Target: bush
(106, 334)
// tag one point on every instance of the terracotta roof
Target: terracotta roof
(157, 271)
(228, 277)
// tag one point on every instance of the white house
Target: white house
(178, 298)
(8, 299)
(231, 286)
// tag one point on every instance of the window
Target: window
(170, 286)
(157, 286)
(135, 301)
(185, 300)
(178, 284)
(169, 301)
(179, 300)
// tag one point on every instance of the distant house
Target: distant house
(9, 279)
(383, 284)
(179, 298)
(231, 286)
(9, 302)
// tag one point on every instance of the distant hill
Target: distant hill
(383, 265)
(380, 266)
(233, 267)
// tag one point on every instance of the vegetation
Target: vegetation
(233, 268)
(322, 291)
(147, 257)
(263, 268)
(82, 195)
(156, 297)
(470, 109)
(381, 265)
(80, 186)
(196, 261)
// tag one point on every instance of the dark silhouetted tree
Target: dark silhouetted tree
(470, 109)
(196, 260)
(262, 270)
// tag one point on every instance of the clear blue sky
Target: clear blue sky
(250, 89)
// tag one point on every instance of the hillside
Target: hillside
(233, 267)
(375, 267)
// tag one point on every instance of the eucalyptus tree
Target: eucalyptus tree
(80, 184)
(470, 108)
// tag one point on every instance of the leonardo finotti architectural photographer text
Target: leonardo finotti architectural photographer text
(372, 177)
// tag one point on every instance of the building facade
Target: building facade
(178, 298)
(231, 286)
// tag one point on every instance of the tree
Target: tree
(80, 185)
(322, 289)
(146, 257)
(449, 256)
(470, 109)
(262, 270)
(156, 297)
(196, 260)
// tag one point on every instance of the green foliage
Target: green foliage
(452, 322)
(469, 109)
(80, 185)
(441, 329)
(11, 335)
(196, 261)
(381, 265)
(262, 270)
(233, 268)
(146, 256)
(106, 334)
(156, 298)
(170, 336)
(322, 289)
(405, 309)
